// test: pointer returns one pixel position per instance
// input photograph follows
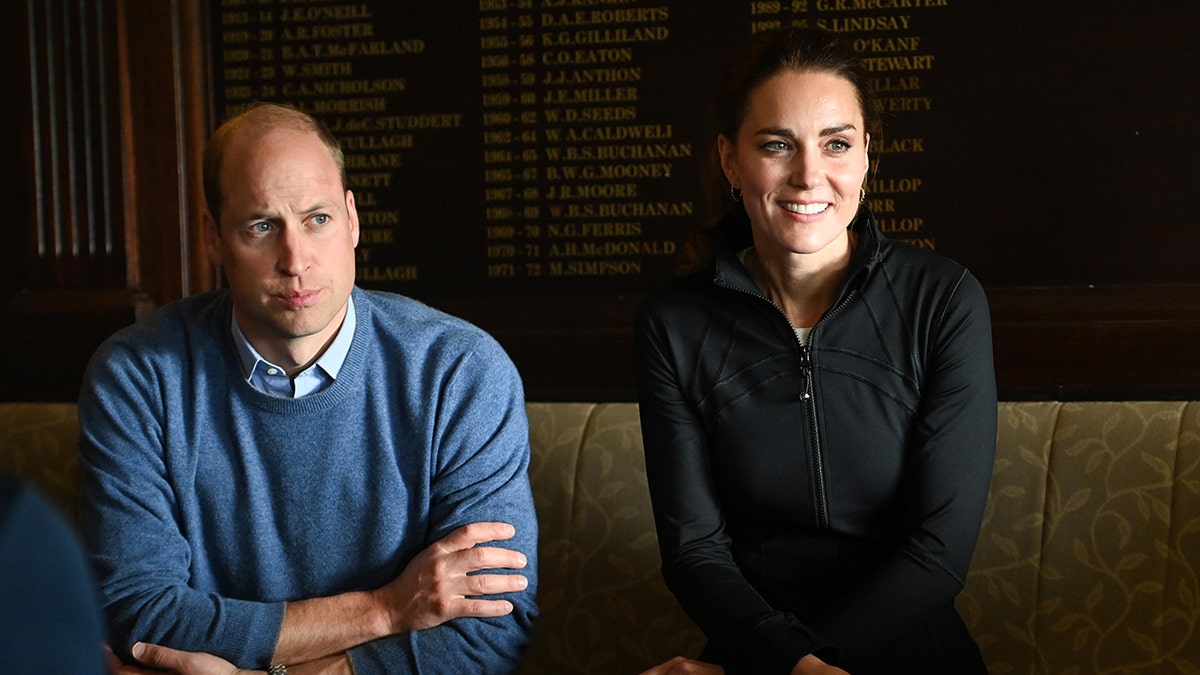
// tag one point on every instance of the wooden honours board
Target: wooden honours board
(533, 146)
(539, 149)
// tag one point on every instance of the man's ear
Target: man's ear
(352, 214)
(212, 237)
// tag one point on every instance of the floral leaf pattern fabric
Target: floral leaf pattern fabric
(1088, 562)
(1089, 557)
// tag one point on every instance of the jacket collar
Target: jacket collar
(733, 235)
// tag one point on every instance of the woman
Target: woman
(818, 405)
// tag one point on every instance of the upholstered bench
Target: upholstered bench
(1088, 562)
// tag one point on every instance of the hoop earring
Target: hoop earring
(735, 194)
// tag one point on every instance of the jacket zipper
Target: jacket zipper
(810, 404)
(811, 400)
(807, 396)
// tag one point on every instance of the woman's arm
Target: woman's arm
(697, 560)
(951, 446)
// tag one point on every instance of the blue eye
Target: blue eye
(775, 146)
(261, 227)
(320, 219)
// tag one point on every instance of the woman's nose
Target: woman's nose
(803, 171)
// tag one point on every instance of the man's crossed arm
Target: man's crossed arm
(441, 583)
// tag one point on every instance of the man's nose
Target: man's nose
(294, 253)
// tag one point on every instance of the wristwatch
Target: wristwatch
(276, 669)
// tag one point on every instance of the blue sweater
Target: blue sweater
(208, 504)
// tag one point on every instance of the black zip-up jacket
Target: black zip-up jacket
(821, 498)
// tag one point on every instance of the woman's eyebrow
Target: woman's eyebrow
(772, 131)
(788, 133)
(837, 130)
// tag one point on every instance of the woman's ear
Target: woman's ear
(725, 150)
(867, 153)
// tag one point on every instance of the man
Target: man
(297, 474)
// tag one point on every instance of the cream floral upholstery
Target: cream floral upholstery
(605, 608)
(37, 441)
(1089, 558)
(1088, 562)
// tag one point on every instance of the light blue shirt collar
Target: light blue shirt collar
(271, 379)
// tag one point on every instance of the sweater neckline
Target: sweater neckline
(350, 377)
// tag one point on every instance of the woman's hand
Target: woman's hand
(685, 666)
(811, 665)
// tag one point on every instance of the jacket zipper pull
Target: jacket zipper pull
(806, 367)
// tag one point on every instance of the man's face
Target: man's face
(286, 241)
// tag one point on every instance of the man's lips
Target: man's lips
(297, 299)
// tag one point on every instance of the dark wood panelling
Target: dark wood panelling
(1097, 342)
(566, 347)
(47, 337)
(105, 103)
(73, 234)
(17, 173)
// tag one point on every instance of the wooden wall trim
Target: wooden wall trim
(1097, 342)
(1049, 343)
(165, 120)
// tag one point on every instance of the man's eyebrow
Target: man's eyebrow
(264, 214)
(322, 205)
(273, 214)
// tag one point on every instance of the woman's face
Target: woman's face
(799, 159)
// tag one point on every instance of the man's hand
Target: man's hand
(160, 659)
(439, 585)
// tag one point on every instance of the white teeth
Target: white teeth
(805, 209)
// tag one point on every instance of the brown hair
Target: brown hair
(259, 120)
